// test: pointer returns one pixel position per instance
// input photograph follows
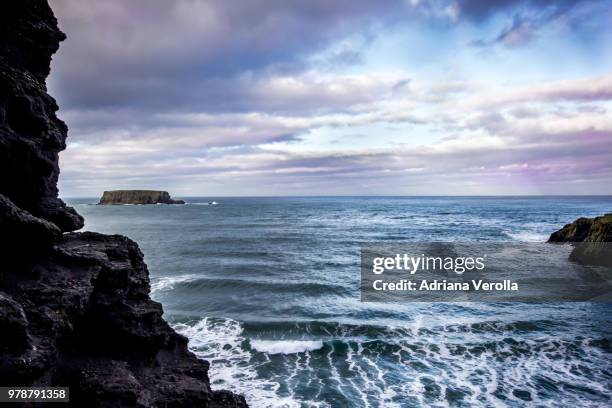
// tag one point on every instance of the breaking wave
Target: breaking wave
(491, 363)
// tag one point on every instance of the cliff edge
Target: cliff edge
(75, 309)
(137, 197)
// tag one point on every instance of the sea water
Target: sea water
(267, 290)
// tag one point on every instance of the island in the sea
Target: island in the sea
(119, 197)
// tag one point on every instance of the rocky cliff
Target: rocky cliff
(592, 238)
(74, 307)
(137, 197)
(31, 135)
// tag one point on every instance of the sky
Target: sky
(343, 97)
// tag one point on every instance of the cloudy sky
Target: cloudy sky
(320, 97)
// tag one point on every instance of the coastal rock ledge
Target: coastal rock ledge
(122, 197)
(75, 309)
(598, 229)
(591, 237)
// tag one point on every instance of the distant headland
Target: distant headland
(118, 197)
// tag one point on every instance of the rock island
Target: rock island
(118, 197)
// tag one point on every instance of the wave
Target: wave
(403, 366)
(232, 365)
(199, 283)
(203, 203)
(527, 236)
(169, 282)
(285, 346)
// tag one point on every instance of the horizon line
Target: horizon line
(371, 195)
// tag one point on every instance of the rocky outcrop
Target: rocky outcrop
(75, 309)
(31, 135)
(137, 197)
(592, 238)
(81, 317)
(598, 229)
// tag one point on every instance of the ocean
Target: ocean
(267, 290)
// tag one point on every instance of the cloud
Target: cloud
(526, 135)
(520, 33)
(204, 55)
(457, 161)
(291, 97)
(576, 90)
(194, 54)
(483, 9)
(528, 18)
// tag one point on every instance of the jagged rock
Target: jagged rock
(13, 326)
(86, 308)
(21, 232)
(592, 238)
(74, 308)
(137, 197)
(598, 229)
(31, 135)
(576, 231)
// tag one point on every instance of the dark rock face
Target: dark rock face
(81, 317)
(20, 230)
(74, 308)
(593, 237)
(31, 135)
(137, 197)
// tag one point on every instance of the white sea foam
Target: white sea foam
(221, 342)
(447, 356)
(527, 236)
(168, 282)
(203, 203)
(286, 346)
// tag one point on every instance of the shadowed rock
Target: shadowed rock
(21, 231)
(31, 135)
(75, 309)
